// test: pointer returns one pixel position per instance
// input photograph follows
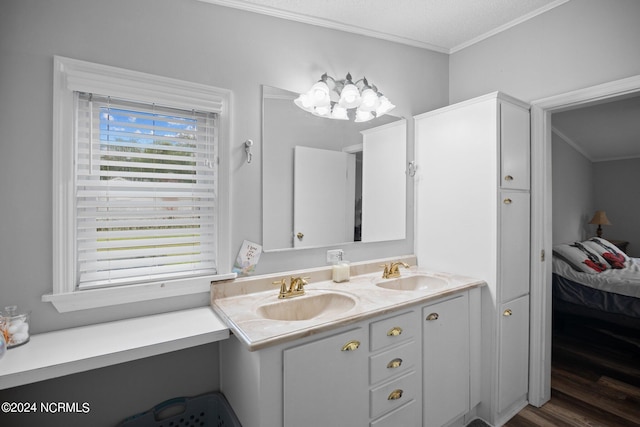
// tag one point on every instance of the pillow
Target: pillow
(607, 250)
(581, 258)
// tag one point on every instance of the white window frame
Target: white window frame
(71, 75)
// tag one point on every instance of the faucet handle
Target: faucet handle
(385, 272)
(297, 283)
(283, 286)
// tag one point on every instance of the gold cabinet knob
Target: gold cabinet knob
(394, 332)
(433, 316)
(508, 178)
(299, 236)
(395, 363)
(507, 312)
(395, 394)
(351, 345)
(507, 201)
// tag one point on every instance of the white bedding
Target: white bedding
(625, 281)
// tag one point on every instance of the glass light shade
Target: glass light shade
(350, 96)
(320, 94)
(304, 101)
(370, 100)
(339, 113)
(363, 116)
(384, 107)
(324, 111)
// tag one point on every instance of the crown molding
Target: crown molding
(326, 23)
(508, 25)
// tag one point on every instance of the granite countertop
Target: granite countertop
(358, 299)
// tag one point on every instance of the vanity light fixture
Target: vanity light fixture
(336, 99)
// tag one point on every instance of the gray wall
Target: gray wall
(617, 193)
(573, 193)
(578, 44)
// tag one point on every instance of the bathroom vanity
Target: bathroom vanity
(400, 355)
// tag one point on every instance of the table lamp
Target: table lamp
(600, 218)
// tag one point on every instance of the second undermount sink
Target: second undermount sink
(307, 307)
(413, 283)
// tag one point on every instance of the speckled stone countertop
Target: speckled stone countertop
(239, 302)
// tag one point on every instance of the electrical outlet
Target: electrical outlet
(334, 255)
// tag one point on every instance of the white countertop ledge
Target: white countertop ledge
(68, 351)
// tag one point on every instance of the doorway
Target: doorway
(541, 222)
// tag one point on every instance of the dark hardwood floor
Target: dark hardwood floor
(595, 378)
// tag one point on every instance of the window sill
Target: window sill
(59, 353)
(103, 297)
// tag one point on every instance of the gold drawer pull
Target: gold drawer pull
(351, 345)
(507, 312)
(394, 332)
(507, 201)
(508, 178)
(395, 363)
(433, 316)
(395, 394)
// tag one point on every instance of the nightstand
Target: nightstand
(621, 244)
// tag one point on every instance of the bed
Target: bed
(594, 279)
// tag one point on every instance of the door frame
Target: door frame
(541, 222)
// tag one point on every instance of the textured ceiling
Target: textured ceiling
(440, 25)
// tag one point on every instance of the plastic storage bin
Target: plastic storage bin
(207, 410)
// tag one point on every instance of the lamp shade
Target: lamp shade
(600, 218)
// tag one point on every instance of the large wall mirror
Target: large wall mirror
(328, 182)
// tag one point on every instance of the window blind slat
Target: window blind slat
(146, 192)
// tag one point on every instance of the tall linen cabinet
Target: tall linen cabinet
(473, 218)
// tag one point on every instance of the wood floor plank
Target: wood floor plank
(595, 379)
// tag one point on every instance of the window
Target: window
(138, 186)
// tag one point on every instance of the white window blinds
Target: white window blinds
(146, 179)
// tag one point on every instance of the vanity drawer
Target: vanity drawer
(407, 415)
(393, 394)
(394, 361)
(394, 330)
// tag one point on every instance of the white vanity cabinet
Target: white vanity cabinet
(369, 373)
(473, 217)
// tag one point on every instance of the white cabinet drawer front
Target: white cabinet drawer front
(393, 330)
(393, 362)
(393, 394)
(407, 415)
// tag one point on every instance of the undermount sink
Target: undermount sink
(413, 283)
(307, 307)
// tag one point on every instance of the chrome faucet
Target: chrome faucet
(392, 270)
(295, 288)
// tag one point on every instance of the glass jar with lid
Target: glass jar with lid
(15, 326)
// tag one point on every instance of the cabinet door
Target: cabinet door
(326, 382)
(514, 146)
(514, 244)
(446, 360)
(513, 364)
